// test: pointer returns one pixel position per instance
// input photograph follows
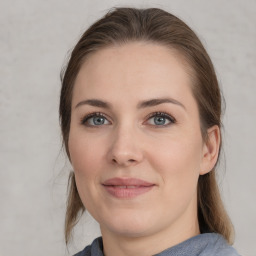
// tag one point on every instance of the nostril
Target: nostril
(125, 162)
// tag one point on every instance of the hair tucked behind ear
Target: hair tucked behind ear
(123, 25)
(212, 215)
(74, 207)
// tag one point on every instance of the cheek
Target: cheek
(178, 151)
(179, 170)
(178, 164)
(85, 157)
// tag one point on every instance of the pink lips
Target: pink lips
(127, 188)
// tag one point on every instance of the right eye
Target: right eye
(95, 119)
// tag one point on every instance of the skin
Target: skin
(129, 143)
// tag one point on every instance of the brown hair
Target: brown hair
(122, 25)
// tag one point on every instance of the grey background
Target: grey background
(35, 37)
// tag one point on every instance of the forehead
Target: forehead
(136, 68)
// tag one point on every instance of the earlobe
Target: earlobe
(210, 150)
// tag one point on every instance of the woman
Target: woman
(140, 113)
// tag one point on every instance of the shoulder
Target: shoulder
(216, 245)
(95, 249)
(207, 244)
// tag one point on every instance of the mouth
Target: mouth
(127, 188)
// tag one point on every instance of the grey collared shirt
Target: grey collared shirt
(207, 244)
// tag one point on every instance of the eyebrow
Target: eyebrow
(94, 103)
(143, 104)
(155, 102)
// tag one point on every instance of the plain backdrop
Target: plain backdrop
(35, 39)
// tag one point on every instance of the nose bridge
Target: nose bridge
(125, 148)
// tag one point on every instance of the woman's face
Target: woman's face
(135, 140)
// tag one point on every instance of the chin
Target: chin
(130, 230)
(129, 225)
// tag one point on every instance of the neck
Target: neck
(123, 245)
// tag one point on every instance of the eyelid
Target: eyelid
(163, 114)
(85, 118)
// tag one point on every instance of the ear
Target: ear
(210, 150)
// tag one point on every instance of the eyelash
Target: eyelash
(165, 115)
(94, 114)
(172, 120)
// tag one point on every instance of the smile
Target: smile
(127, 188)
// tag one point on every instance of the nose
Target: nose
(125, 149)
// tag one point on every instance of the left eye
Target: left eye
(95, 120)
(160, 119)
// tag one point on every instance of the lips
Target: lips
(127, 188)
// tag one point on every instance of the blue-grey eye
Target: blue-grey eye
(160, 119)
(98, 120)
(95, 120)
